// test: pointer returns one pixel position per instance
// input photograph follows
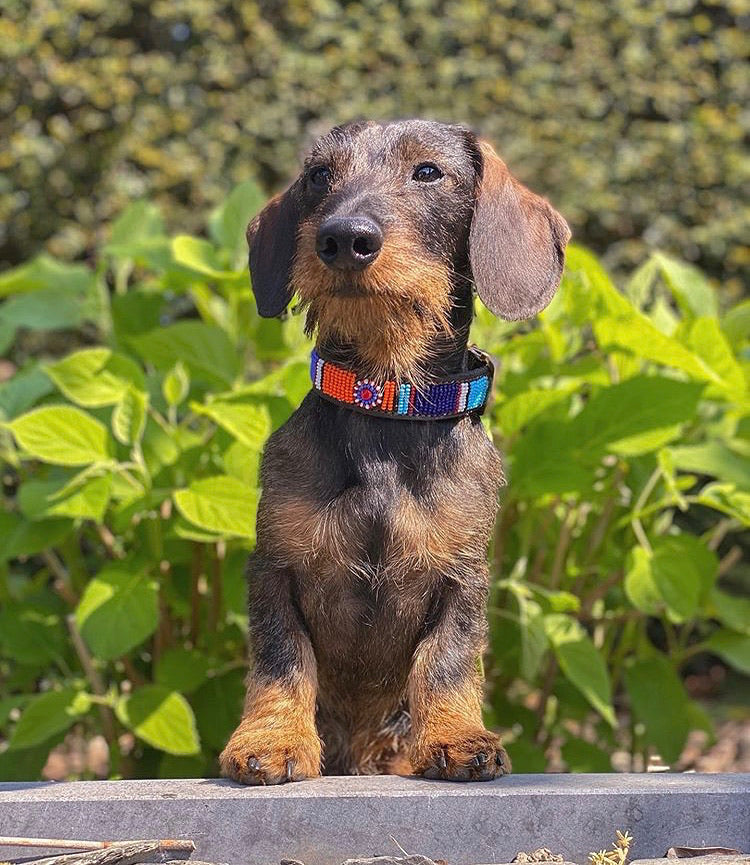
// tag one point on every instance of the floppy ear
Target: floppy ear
(272, 238)
(516, 243)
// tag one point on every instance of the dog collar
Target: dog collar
(448, 397)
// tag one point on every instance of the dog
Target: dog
(368, 587)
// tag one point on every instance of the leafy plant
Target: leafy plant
(131, 482)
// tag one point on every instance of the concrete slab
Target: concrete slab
(328, 820)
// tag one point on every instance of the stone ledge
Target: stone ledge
(328, 820)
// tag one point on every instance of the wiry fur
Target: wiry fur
(368, 586)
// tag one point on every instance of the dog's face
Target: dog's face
(385, 230)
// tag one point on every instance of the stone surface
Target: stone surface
(328, 820)
(697, 860)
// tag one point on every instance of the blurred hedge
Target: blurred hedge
(629, 115)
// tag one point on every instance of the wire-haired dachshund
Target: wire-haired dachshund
(368, 587)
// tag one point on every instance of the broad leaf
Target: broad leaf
(581, 663)
(24, 538)
(677, 575)
(181, 670)
(118, 611)
(48, 714)
(248, 422)
(732, 610)
(95, 377)
(88, 500)
(129, 417)
(31, 635)
(659, 702)
(228, 222)
(62, 435)
(732, 647)
(205, 350)
(176, 384)
(220, 504)
(162, 718)
(199, 255)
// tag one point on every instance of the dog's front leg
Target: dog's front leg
(276, 740)
(449, 739)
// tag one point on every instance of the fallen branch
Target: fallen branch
(103, 852)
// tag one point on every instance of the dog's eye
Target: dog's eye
(427, 173)
(320, 177)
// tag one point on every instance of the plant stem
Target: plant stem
(97, 686)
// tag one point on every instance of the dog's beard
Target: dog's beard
(393, 318)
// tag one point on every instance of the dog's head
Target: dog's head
(387, 227)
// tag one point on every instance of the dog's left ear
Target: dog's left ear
(272, 238)
(516, 243)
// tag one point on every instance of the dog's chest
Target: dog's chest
(389, 514)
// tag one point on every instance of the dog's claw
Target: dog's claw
(480, 759)
(290, 766)
(253, 765)
(441, 761)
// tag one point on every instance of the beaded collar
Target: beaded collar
(448, 397)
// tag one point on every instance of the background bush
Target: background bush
(130, 487)
(631, 116)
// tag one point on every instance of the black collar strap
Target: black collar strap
(447, 397)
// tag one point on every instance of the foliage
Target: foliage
(629, 115)
(131, 475)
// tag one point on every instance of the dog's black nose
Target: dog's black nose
(349, 242)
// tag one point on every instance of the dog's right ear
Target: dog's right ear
(272, 238)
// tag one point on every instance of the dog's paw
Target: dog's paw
(475, 756)
(257, 755)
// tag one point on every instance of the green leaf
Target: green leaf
(140, 221)
(29, 635)
(22, 391)
(24, 538)
(527, 757)
(636, 334)
(581, 663)
(732, 610)
(129, 417)
(712, 458)
(243, 463)
(47, 715)
(689, 286)
(248, 422)
(228, 223)
(45, 272)
(41, 499)
(162, 718)
(736, 323)
(118, 611)
(659, 702)
(727, 499)
(7, 334)
(732, 647)
(677, 575)
(218, 707)
(705, 338)
(639, 583)
(176, 385)
(46, 309)
(633, 407)
(181, 670)
(199, 255)
(62, 435)
(95, 377)
(582, 756)
(516, 412)
(205, 350)
(220, 504)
